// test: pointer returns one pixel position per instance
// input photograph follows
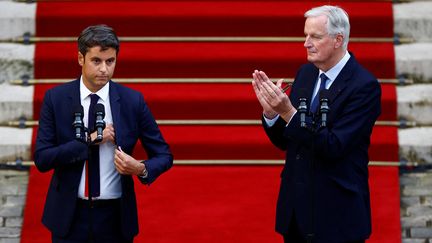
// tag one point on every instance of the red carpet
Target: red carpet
(230, 205)
(215, 203)
(250, 142)
(214, 101)
(205, 59)
(205, 18)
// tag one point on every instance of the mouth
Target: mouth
(311, 53)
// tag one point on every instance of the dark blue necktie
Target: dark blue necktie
(315, 100)
(93, 165)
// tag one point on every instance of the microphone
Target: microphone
(78, 125)
(324, 108)
(100, 123)
(302, 108)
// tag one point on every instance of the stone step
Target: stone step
(15, 143)
(15, 102)
(415, 61)
(412, 60)
(414, 144)
(17, 19)
(15, 61)
(413, 19)
(414, 103)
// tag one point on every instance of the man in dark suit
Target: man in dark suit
(91, 196)
(324, 193)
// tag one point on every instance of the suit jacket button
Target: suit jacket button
(297, 156)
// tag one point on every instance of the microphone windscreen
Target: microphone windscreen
(324, 94)
(302, 93)
(78, 109)
(100, 108)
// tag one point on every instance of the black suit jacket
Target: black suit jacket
(334, 159)
(56, 149)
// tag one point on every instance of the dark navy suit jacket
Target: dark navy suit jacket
(337, 205)
(56, 149)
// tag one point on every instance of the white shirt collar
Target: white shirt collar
(333, 72)
(103, 93)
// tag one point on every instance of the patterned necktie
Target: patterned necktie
(93, 179)
(315, 100)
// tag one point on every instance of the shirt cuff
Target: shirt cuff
(291, 118)
(271, 122)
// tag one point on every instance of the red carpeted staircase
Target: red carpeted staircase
(204, 202)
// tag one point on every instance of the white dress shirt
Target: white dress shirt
(110, 185)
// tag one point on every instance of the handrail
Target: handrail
(394, 1)
(27, 39)
(33, 1)
(32, 123)
(27, 81)
(20, 163)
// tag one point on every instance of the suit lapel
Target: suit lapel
(74, 94)
(74, 99)
(341, 80)
(115, 110)
(308, 83)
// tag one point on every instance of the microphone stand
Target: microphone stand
(302, 109)
(87, 140)
(89, 161)
(314, 127)
(310, 235)
(100, 125)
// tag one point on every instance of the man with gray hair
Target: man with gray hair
(324, 126)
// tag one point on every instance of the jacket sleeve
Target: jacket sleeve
(159, 155)
(49, 153)
(275, 133)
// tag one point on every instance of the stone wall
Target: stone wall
(13, 189)
(416, 205)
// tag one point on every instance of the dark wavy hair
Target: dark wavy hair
(98, 35)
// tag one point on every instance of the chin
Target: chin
(102, 80)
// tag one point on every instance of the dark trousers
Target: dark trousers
(97, 223)
(295, 236)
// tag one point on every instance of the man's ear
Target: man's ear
(338, 41)
(80, 59)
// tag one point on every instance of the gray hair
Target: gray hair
(98, 35)
(338, 21)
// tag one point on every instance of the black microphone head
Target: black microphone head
(100, 110)
(78, 110)
(324, 94)
(302, 93)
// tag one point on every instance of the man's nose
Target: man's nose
(103, 67)
(306, 42)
